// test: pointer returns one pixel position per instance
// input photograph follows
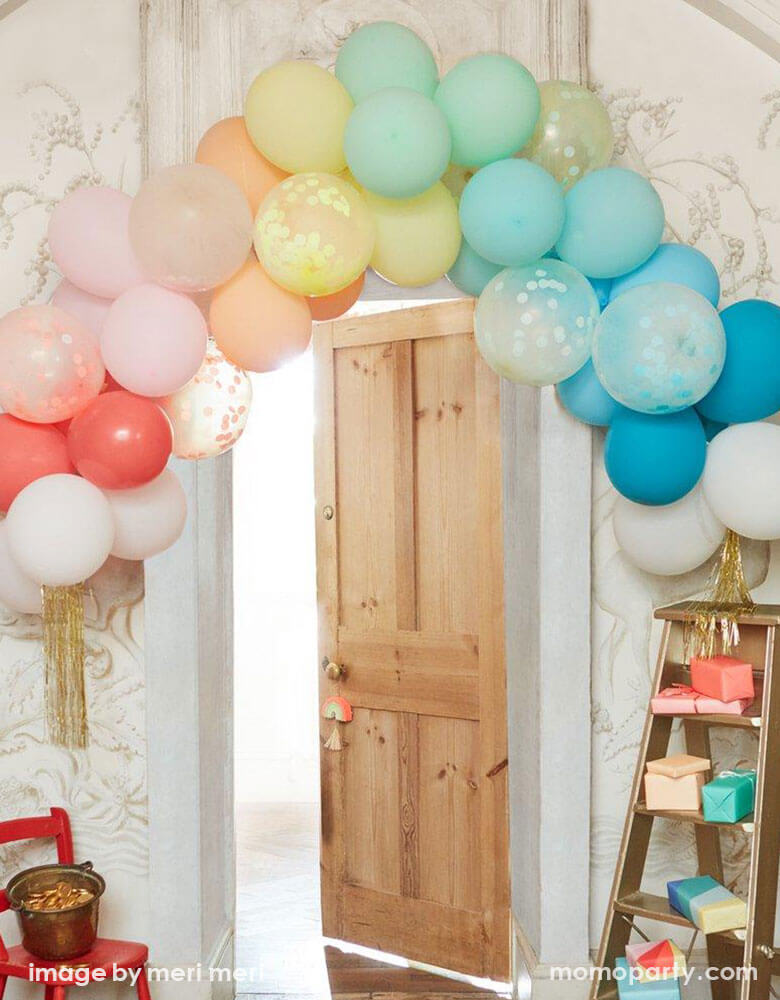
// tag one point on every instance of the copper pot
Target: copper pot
(63, 933)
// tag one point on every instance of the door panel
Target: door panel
(410, 582)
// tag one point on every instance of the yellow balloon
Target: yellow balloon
(417, 239)
(296, 113)
(314, 234)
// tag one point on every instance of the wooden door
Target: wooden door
(410, 588)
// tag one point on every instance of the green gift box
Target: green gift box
(729, 797)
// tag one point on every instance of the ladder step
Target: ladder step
(746, 823)
(650, 907)
(750, 720)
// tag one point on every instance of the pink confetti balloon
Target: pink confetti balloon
(153, 340)
(50, 365)
(210, 413)
(90, 309)
(89, 241)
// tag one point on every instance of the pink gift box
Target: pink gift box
(676, 700)
(723, 677)
(711, 706)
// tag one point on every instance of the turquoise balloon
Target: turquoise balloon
(712, 427)
(587, 399)
(491, 103)
(470, 272)
(659, 348)
(678, 263)
(397, 143)
(655, 459)
(512, 212)
(614, 221)
(602, 287)
(385, 54)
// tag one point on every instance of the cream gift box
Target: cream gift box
(675, 783)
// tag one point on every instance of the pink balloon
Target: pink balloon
(149, 518)
(88, 239)
(153, 340)
(50, 365)
(90, 309)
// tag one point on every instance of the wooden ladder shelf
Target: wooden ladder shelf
(628, 902)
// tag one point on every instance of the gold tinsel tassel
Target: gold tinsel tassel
(333, 742)
(63, 651)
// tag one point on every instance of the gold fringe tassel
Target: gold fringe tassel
(333, 742)
(63, 650)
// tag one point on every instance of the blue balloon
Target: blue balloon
(603, 288)
(470, 272)
(676, 263)
(586, 398)
(655, 459)
(512, 212)
(749, 385)
(712, 427)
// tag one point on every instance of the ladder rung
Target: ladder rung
(750, 720)
(688, 816)
(645, 904)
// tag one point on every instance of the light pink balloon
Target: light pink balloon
(90, 309)
(153, 340)
(149, 518)
(50, 364)
(89, 241)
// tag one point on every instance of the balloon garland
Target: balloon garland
(219, 267)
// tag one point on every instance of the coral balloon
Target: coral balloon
(89, 241)
(90, 309)
(296, 113)
(314, 234)
(50, 365)
(190, 227)
(153, 340)
(324, 307)
(385, 54)
(742, 479)
(258, 325)
(120, 441)
(149, 518)
(27, 452)
(210, 413)
(17, 591)
(60, 530)
(227, 147)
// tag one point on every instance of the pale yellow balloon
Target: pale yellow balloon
(314, 234)
(296, 113)
(573, 134)
(417, 239)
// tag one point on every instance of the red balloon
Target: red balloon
(27, 452)
(120, 440)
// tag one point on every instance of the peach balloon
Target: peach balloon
(227, 147)
(257, 324)
(190, 227)
(90, 309)
(330, 306)
(50, 365)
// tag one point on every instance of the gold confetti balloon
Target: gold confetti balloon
(210, 413)
(573, 134)
(314, 234)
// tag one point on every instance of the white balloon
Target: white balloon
(17, 591)
(90, 309)
(149, 518)
(668, 540)
(742, 479)
(60, 530)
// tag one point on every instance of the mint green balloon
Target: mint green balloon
(491, 103)
(397, 143)
(470, 272)
(384, 54)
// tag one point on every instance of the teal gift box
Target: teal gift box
(684, 890)
(630, 989)
(729, 797)
(707, 904)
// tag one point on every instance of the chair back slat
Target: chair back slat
(56, 825)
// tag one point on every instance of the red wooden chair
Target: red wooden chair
(104, 955)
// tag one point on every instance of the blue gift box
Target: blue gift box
(628, 987)
(682, 892)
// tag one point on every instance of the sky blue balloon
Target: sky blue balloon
(614, 221)
(603, 288)
(512, 212)
(385, 54)
(470, 272)
(586, 398)
(749, 385)
(678, 263)
(655, 459)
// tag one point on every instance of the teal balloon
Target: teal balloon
(384, 54)
(491, 103)
(678, 263)
(749, 385)
(655, 459)
(603, 288)
(470, 272)
(659, 348)
(586, 398)
(397, 143)
(712, 427)
(512, 212)
(614, 222)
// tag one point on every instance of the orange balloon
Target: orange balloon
(330, 306)
(227, 147)
(257, 324)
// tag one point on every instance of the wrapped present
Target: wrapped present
(629, 987)
(675, 783)
(654, 960)
(682, 891)
(678, 766)
(707, 904)
(713, 706)
(729, 796)
(679, 699)
(723, 677)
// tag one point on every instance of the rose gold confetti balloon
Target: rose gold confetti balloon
(50, 364)
(209, 414)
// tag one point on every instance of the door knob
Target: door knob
(333, 670)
